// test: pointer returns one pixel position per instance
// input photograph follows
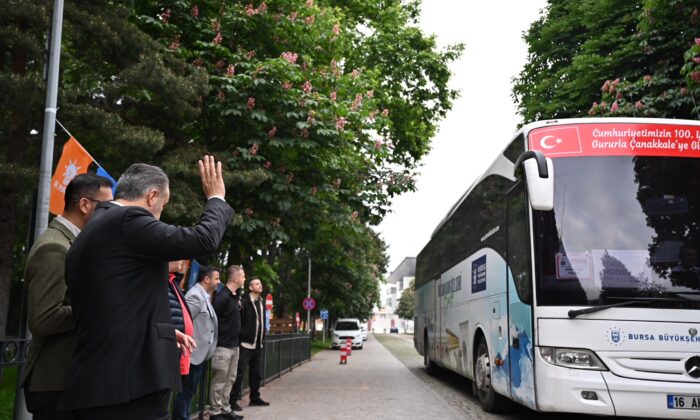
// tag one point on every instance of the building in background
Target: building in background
(384, 317)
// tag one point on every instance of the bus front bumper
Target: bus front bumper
(641, 398)
(562, 389)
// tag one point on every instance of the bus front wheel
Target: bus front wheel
(489, 399)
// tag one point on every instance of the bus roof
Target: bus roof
(503, 167)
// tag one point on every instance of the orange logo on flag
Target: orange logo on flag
(74, 160)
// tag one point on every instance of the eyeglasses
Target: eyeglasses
(92, 199)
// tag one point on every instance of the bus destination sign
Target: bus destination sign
(618, 139)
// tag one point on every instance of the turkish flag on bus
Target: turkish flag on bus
(557, 141)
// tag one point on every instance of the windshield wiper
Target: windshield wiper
(630, 301)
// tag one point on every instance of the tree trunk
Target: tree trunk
(7, 241)
(8, 198)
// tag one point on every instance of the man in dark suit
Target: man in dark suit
(126, 360)
(48, 310)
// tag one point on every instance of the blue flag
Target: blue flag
(101, 172)
(194, 273)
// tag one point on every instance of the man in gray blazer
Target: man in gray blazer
(206, 332)
(49, 311)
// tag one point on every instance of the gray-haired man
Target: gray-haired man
(126, 361)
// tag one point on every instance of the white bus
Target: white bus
(566, 278)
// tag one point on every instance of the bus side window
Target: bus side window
(518, 248)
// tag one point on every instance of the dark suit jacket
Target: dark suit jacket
(252, 320)
(48, 310)
(117, 275)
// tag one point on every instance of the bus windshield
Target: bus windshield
(623, 228)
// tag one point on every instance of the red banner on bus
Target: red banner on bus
(618, 139)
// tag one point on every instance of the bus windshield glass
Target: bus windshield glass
(625, 225)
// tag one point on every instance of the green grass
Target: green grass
(7, 392)
(317, 345)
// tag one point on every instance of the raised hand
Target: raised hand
(212, 178)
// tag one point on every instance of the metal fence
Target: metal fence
(282, 353)
(13, 351)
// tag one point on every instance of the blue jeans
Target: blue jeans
(181, 405)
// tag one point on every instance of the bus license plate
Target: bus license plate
(686, 402)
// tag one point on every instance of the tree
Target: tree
(318, 126)
(572, 49)
(611, 58)
(406, 303)
(122, 97)
(668, 85)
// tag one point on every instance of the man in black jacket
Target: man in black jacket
(126, 360)
(252, 337)
(224, 363)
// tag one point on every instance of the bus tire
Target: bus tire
(430, 367)
(490, 400)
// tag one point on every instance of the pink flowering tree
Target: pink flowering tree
(637, 59)
(315, 140)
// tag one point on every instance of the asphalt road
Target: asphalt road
(455, 390)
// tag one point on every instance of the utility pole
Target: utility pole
(42, 208)
(308, 294)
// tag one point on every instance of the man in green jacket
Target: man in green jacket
(49, 312)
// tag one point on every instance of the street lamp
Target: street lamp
(308, 295)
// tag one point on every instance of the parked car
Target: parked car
(364, 332)
(394, 330)
(347, 328)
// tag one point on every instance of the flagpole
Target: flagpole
(81, 146)
(44, 191)
(64, 128)
(42, 209)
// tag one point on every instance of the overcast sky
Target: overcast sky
(482, 121)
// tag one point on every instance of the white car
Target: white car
(347, 328)
(363, 327)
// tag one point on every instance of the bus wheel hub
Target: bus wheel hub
(482, 372)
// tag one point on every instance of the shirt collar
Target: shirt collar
(117, 203)
(75, 230)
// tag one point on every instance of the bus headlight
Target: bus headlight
(572, 358)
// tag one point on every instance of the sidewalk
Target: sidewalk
(374, 384)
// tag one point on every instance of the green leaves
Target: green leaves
(310, 105)
(578, 50)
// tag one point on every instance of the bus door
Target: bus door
(436, 341)
(520, 347)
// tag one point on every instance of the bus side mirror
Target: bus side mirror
(539, 175)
